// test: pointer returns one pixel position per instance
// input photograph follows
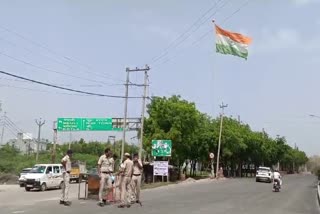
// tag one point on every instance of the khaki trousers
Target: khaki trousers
(104, 179)
(65, 187)
(136, 187)
(125, 190)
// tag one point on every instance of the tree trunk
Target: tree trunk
(194, 168)
(240, 169)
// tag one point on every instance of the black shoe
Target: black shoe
(67, 203)
(101, 204)
(128, 206)
(61, 202)
(104, 201)
(121, 206)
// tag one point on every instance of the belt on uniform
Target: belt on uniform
(136, 174)
(68, 172)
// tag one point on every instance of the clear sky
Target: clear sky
(275, 89)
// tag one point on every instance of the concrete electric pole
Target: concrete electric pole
(143, 110)
(40, 124)
(220, 134)
(3, 125)
(128, 70)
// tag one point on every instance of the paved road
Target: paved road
(241, 196)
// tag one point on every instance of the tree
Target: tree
(195, 135)
(175, 119)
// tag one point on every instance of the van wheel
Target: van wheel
(61, 185)
(43, 187)
(27, 189)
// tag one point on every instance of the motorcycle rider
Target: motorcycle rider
(277, 177)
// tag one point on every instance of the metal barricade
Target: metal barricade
(83, 179)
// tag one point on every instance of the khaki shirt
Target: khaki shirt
(68, 163)
(127, 168)
(136, 169)
(106, 164)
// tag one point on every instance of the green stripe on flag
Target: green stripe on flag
(230, 50)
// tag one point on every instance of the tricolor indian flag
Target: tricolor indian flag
(232, 43)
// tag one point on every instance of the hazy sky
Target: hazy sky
(275, 89)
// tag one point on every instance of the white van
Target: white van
(44, 176)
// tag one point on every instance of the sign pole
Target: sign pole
(168, 177)
(125, 115)
(55, 136)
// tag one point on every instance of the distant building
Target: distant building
(27, 145)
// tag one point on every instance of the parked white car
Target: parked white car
(44, 176)
(264, 174)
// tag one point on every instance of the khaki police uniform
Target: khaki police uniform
(66, 179)
(136, 180)
(127, 169)
(106, 169)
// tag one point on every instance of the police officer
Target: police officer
(105, 170)
(126, 169)
(136, 178)
(66, 163)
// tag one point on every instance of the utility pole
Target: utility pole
(125, 115)
(3, 125)
(70, 140)
(128, 70)
(143, 110)
(55, 137)
(40, 124)
(220, 134)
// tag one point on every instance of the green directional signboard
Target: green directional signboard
(86, 124)
(161, 148)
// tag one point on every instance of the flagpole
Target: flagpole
(213, 106)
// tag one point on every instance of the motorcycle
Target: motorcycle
(276, 186)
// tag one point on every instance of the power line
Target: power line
(164, 52)
(66, 89)
(88, 68)
(41, 91)
(10, 130)
(9, 121)
(184, 38)
(64, 85)
(53, 59)
(50, 70)
(236, 11)
(14, 126)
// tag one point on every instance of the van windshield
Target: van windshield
(38, 169)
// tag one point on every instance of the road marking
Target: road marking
(21, 211)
